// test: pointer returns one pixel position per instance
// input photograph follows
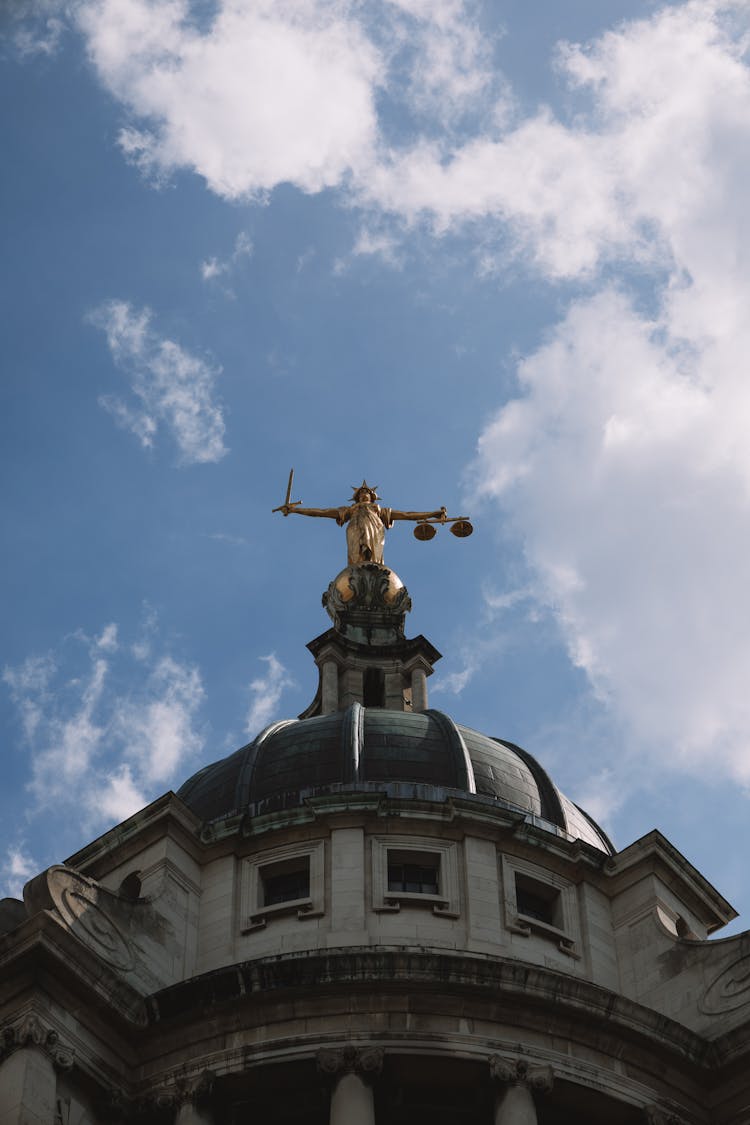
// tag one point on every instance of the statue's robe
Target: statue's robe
(365, 532)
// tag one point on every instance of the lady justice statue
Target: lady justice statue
(366, 522)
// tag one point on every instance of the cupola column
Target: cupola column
(514, 1103)
(329, 680)
(418, 690)
(352, 1070)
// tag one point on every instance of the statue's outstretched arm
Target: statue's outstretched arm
(440, 514)
(325, 513)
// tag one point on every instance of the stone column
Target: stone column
(418, 690)
(352, 1070)
(27, 1088)
(352, 1102)
(514, 1103)
(28, 1083)
(330, 688)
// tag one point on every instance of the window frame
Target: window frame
(566, 935)
(446, 903)
(254, 913)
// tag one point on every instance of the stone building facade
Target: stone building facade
(371, 914)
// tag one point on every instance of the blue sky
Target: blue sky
(489, 255)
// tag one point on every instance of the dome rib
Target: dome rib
(552, 809)
(464, 767)
(352, 742)
(245, 777)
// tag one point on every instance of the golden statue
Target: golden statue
(366, 522)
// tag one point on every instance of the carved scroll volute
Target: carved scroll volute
(334, 1062)
(81, 904)
(194, 1089)
(179, 1090)
(30, 1032)
(518, 1072)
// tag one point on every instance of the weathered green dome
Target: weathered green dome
(361, 746)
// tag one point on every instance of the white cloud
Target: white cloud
(448, 56)
(554, 194)
(173, 388)
(624, 470)
(284, 91)
(265, 692)
(156, 728)
(28, 688)
(16, 870)
(214, 268)
(118, 797)
(35, 27)
(624, 460)
(95, 748)
(107, 640)
(377, 243)
(667, 118)
(272, 91)
(473, 656)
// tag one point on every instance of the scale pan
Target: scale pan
(424, 531)
(461, 528)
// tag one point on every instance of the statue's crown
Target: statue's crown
(370, 488)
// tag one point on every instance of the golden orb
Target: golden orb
(343, 584)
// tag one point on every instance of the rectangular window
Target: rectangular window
(414, 874)
(538, 901)
(541, 903)
(280, 882)
(285, 882)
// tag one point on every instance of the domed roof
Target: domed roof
(360, 746)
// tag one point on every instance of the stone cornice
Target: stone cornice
(653, 852)
(167, 812)
(44, 943)
(531, 989)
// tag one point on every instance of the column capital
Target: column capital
(181, 1089)
(194, 1088)
(656, 1115)
(31, 1032)
(365, 1061)
(518, 1072)
(113, 1106)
